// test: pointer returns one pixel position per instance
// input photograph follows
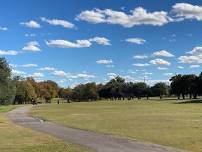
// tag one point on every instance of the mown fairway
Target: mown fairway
(162, 122)
(17, 139)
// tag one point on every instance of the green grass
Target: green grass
(161, 122)
(14, 138)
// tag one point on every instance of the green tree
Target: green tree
(160, 89)
(25, 92)
(7, 85)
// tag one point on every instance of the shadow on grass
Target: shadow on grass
(189, 101)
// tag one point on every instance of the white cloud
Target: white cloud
(137, 16)
(66, 75)
(12, 65)
(136, 40)
(3, 28)
(111, 75)
(162, 68)
(32, 46)
(78, 43)
(148, 73)
(196, 51)
(104, 61)
(109, 66)
(195, 56)
(187, 11)
(168, 74)
(180, 67)
(141, 64)
(37, 75)
(191, 59)
(163, 53)
(140, 56)
(60, 73)
(30, 35)
(194, 66)
(100, 40)
(85, 76)
(8, 52)
(29, 65)
(160, 62)
(68, 44)
(47, 69)
(31, 24)
(17, 72)
(58, 22)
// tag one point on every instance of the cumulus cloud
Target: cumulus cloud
(110, 66)
(37, 75)
(100, 40)
(47, 69)
(31, 24)
(29, 65)
(104, 61)
(191, 59)
(78, 43)
(140, 56)
(85, 75)
(68, 44)
(3, 28)
(64, 74)
(141, 64)
(147, 73)
(60, 73)
(57, 22)
(137, 16)
(196, 51)
(159, 62)
(32, 46)
(180, 67)
(17, 72)
(168, 74)
(111, 75)
(187, 11)
(163, 53)
(195, 56)
(8, 52)
(162, 68)
(194, 66)
(30, 35)
(136, 40)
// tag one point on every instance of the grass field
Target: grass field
(17, 139)
(162, 122)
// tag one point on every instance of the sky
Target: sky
(79, 41)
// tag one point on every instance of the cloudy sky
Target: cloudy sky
(78, 41)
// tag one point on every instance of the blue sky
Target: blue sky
(79, 41)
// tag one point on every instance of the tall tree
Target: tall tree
(7, 85)
(159, 89)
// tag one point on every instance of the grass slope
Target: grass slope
(18, 139)
(161, 122)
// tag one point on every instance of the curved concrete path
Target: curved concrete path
(96, 141)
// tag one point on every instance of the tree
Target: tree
(140, 89)
(65, 93)
(7, 85)
(85, 92)
(189, 85)
(176, 85)
(25, 92)
(115, 86)
(159, 89)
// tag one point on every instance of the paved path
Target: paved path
(96, 141)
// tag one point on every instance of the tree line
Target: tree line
(17, 90)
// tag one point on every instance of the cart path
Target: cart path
(95, 141)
